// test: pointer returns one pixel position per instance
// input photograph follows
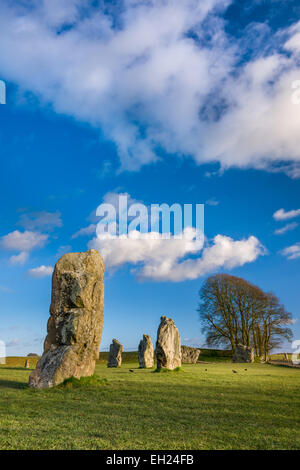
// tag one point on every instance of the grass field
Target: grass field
(193, 409)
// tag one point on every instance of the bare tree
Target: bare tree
(232, 311)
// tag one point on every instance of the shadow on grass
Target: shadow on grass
(13, 384)
(17, 368)
(287, 366)
(164, 370)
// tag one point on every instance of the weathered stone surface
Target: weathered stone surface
(168, 348)
(76, 320)
(27, 365)
(146, 352)
(189, 355)
(115, 354)
(243, 354)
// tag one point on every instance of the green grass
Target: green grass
(90, 382)
(280, 357)
(127, 357)
(117, 409)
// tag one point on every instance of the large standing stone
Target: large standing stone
(146, 352)
(243, 354)
(168, 349)
(76, 320)
(115, 354)
(189, 355)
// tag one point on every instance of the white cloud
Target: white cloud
(286, 228)
(168, 66)
(57, 12)
(212, 202)
(23, 241)
(165, 260)
(62, 250)
(21, 258)
(105, 170)
(85, 231)
(291, 252)
(41, 271)
(111, 197)
(193, 342)
(41, 220)
(281, 214)
(12, 343)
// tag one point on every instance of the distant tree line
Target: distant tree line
(232, 311)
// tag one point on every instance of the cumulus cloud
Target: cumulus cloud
(41, 271)
(166, 260)
(23, 241)
(292, 252)
(286, 228)
(112, 198)
(21, 258)
(281, 214)
(161, 73)
(41, 220)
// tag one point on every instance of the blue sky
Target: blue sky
(110, 98)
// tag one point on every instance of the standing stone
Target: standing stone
(168, 349)
(286, 357)
(146, 352)
(76, 320)
(189, 355)
(243, 354)
(26, 364)
(115, 354)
